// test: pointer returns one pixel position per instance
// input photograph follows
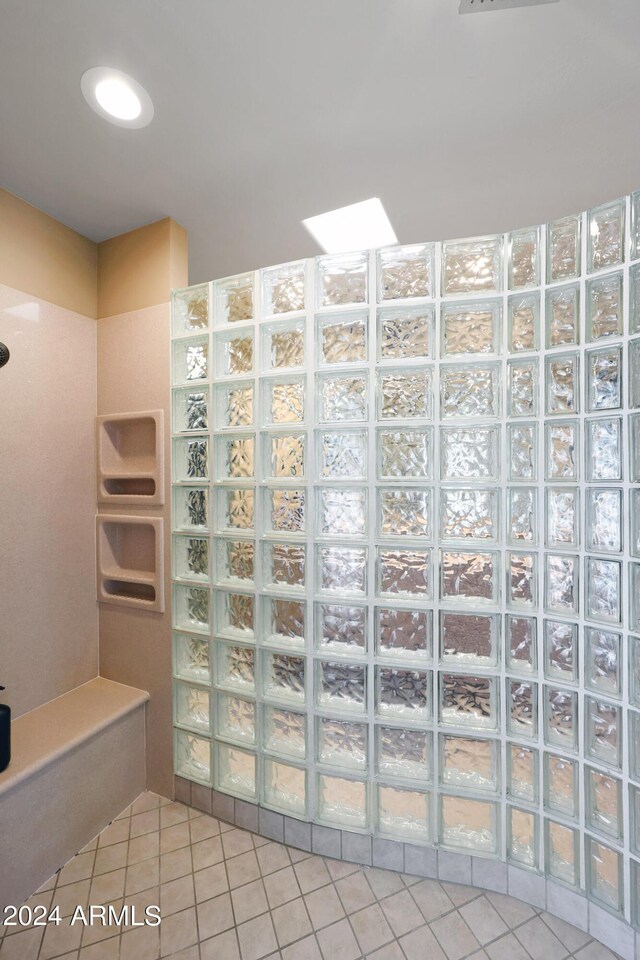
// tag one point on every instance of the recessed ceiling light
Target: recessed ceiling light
(117, 97)
(356, 227)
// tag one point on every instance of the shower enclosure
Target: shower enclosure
(406, 549)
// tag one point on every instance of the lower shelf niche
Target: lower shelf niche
(130, 561)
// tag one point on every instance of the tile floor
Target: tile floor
(226, 894)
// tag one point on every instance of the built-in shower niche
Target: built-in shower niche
(130, 561)
(131, 458)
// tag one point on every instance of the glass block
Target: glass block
(604, 874)
(342, 279)
(472, 266)
(634, 298)
(562, 853)
(406, 333)
(284, 456)
(604, 803)
(468, 701)
(283, 401)
(342, 802)
(406, 454)
(191, 658)
(561, 450)
(469, 514)
(285, 511)
(404, 572)
(635, 892)
(190, 409)
(522, 444)
(469, 639)
(190, 558)
(634, 373)
(235, 719)
(522, 772)
(469, 762)
(604, 307)
(635, 225)
(604, 521)
(522, 837)
(405, 394)
(235, 615)
(522, 706)
(404, 513)
(343, 513)
(342, 339)
(606, 235)
(235, 771)
(561, 383)
(191, 509)
(342, 398)
(561, 651)
(522, 388)
(523, 322)
(469, 453)
(341, 628)
(521, 515)
(472, 327)
(405, 694)
(402, 634)
(342, 743)
(603, 586)
(563, 516)
(190, 458)
(341, 686)
(604, 379)
(342, 569)
(522, 579)
(561, 584)
(634, 804)
(235, 457)
(403, 814)
(190, 361)
(190, 309)
(470, 391)
(561, 718)
(521, 644)
(469, 825)
(283, 288)
(561, 789)
(283, 345)
(405, 754)
(563, 249)
(235, 667)
(192, 707)
(285, 788)
(193, 757)
(342, 455)
(233, 299)
(284, 732)
(563, 316)
(469, 577)
(524, 258)
(603, 666)
(283, 677)
(233, 353)
(284, 565)
(634, 740)
(283, 621)
(604, 449)
(191, 607)
(236, 511)
(603, 732)
(405, 272)
(634, 447)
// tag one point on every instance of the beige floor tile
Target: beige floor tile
(595, 951)
(207, 852)
(296, 855)
(140, 944)
(210, 882)
(203, 827)
(383, 882)
(402, 913)
(177, 895)
(22, 946)
(97, 931)
(570, 936)
(291, 922)
(80, 868)
(507, 948)
(539, 941)
(408, 880)
(178, 931)
(483, 920)
(148, 822)
(371, 928)
(454, 936)
(142, 876)
(173, 813)
(236, 842)
(104, 950)
(59, 939)
(249, 901)
(338, 942)
(142, 848)
(51, 882)
(43, 899)
(272, 857)
(311, 874)
(189, 953)
(478, 955)
(391, 951)
(421, 944)
(175, 837)
(222, 947)
(281, 887)
(215, 916)
(110, 858)
(324, 907)
(513, 912)
(137, 906)
(458, 893)
(116, 832)
(243, 869)
(355, 892)
(306, 949)
(146, 801)
(72, 895)
(431, 899)
(107, 887)
(257, 938)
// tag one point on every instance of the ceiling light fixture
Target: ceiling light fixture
(356, 227)
(117, 97)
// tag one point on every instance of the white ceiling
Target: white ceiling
(268, 111)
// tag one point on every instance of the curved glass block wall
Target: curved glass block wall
(406, 550)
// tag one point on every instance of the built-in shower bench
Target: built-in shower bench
(77, 762)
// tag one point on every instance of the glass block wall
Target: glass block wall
(406, 549)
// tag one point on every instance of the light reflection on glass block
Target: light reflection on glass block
(561, 785)
(341, 628)
(563, 315)
(190, 309)
(406, 454)
(562, 857)
(402, 753)
(284, 677)
(343, 455)
(562, 517)
(191, 509)
(522, 579)
(468, 825)
(469, 577)
(342, 569)
(191, 607)
(522, 444)
(190, 360)
(284, 565)
(405, 694)
(522, 705)
(341, 686)
(403, 814)
(563, 249)
(404, 512)
(522, 837)
(235, 771)
(342, 279)
(342, 743)
(235, 615)
(235, 667)
(470, 391)
(285, 511)
(523, 322)
(235, 719)
(343, 513)
(521, 644)
(469, 762)
(604, 307)
(634, 678)
(190, 409)
(193, 757)
(634, 803)
(406, 333)
(403, 634)
(604, 874)
(284, 732)
(603, 667)
(468, 701)
(472, 266)
(191, 658)
(192, 707)
(561, 718)
(284, 401)
(342, 398)
(604, 449)
(522, 388)
(472, 327)
(237, 509)
(603, 590)
(521, 515)
(469, 514)
(522, 772)
(235, 457)
(233, 299)
(343, 339)
(603, 732)
(469, 453)
(285, 788)
(233, 353)
(404, 572)
(561, 651)
(406, 272)
(561, 380)
(285, 456)
(405, 394)
(604, 521)
(284, 621)
(283, 288)
(524, 258)
(634, 372)
(469, 639)
(634, 447)
(191, 458)
(604, 383)
(191, 558)
(606, 235)
(634, 298)
(604, 803)
(561, 450)
(234, 405)
(342, 802)
(283, 345)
